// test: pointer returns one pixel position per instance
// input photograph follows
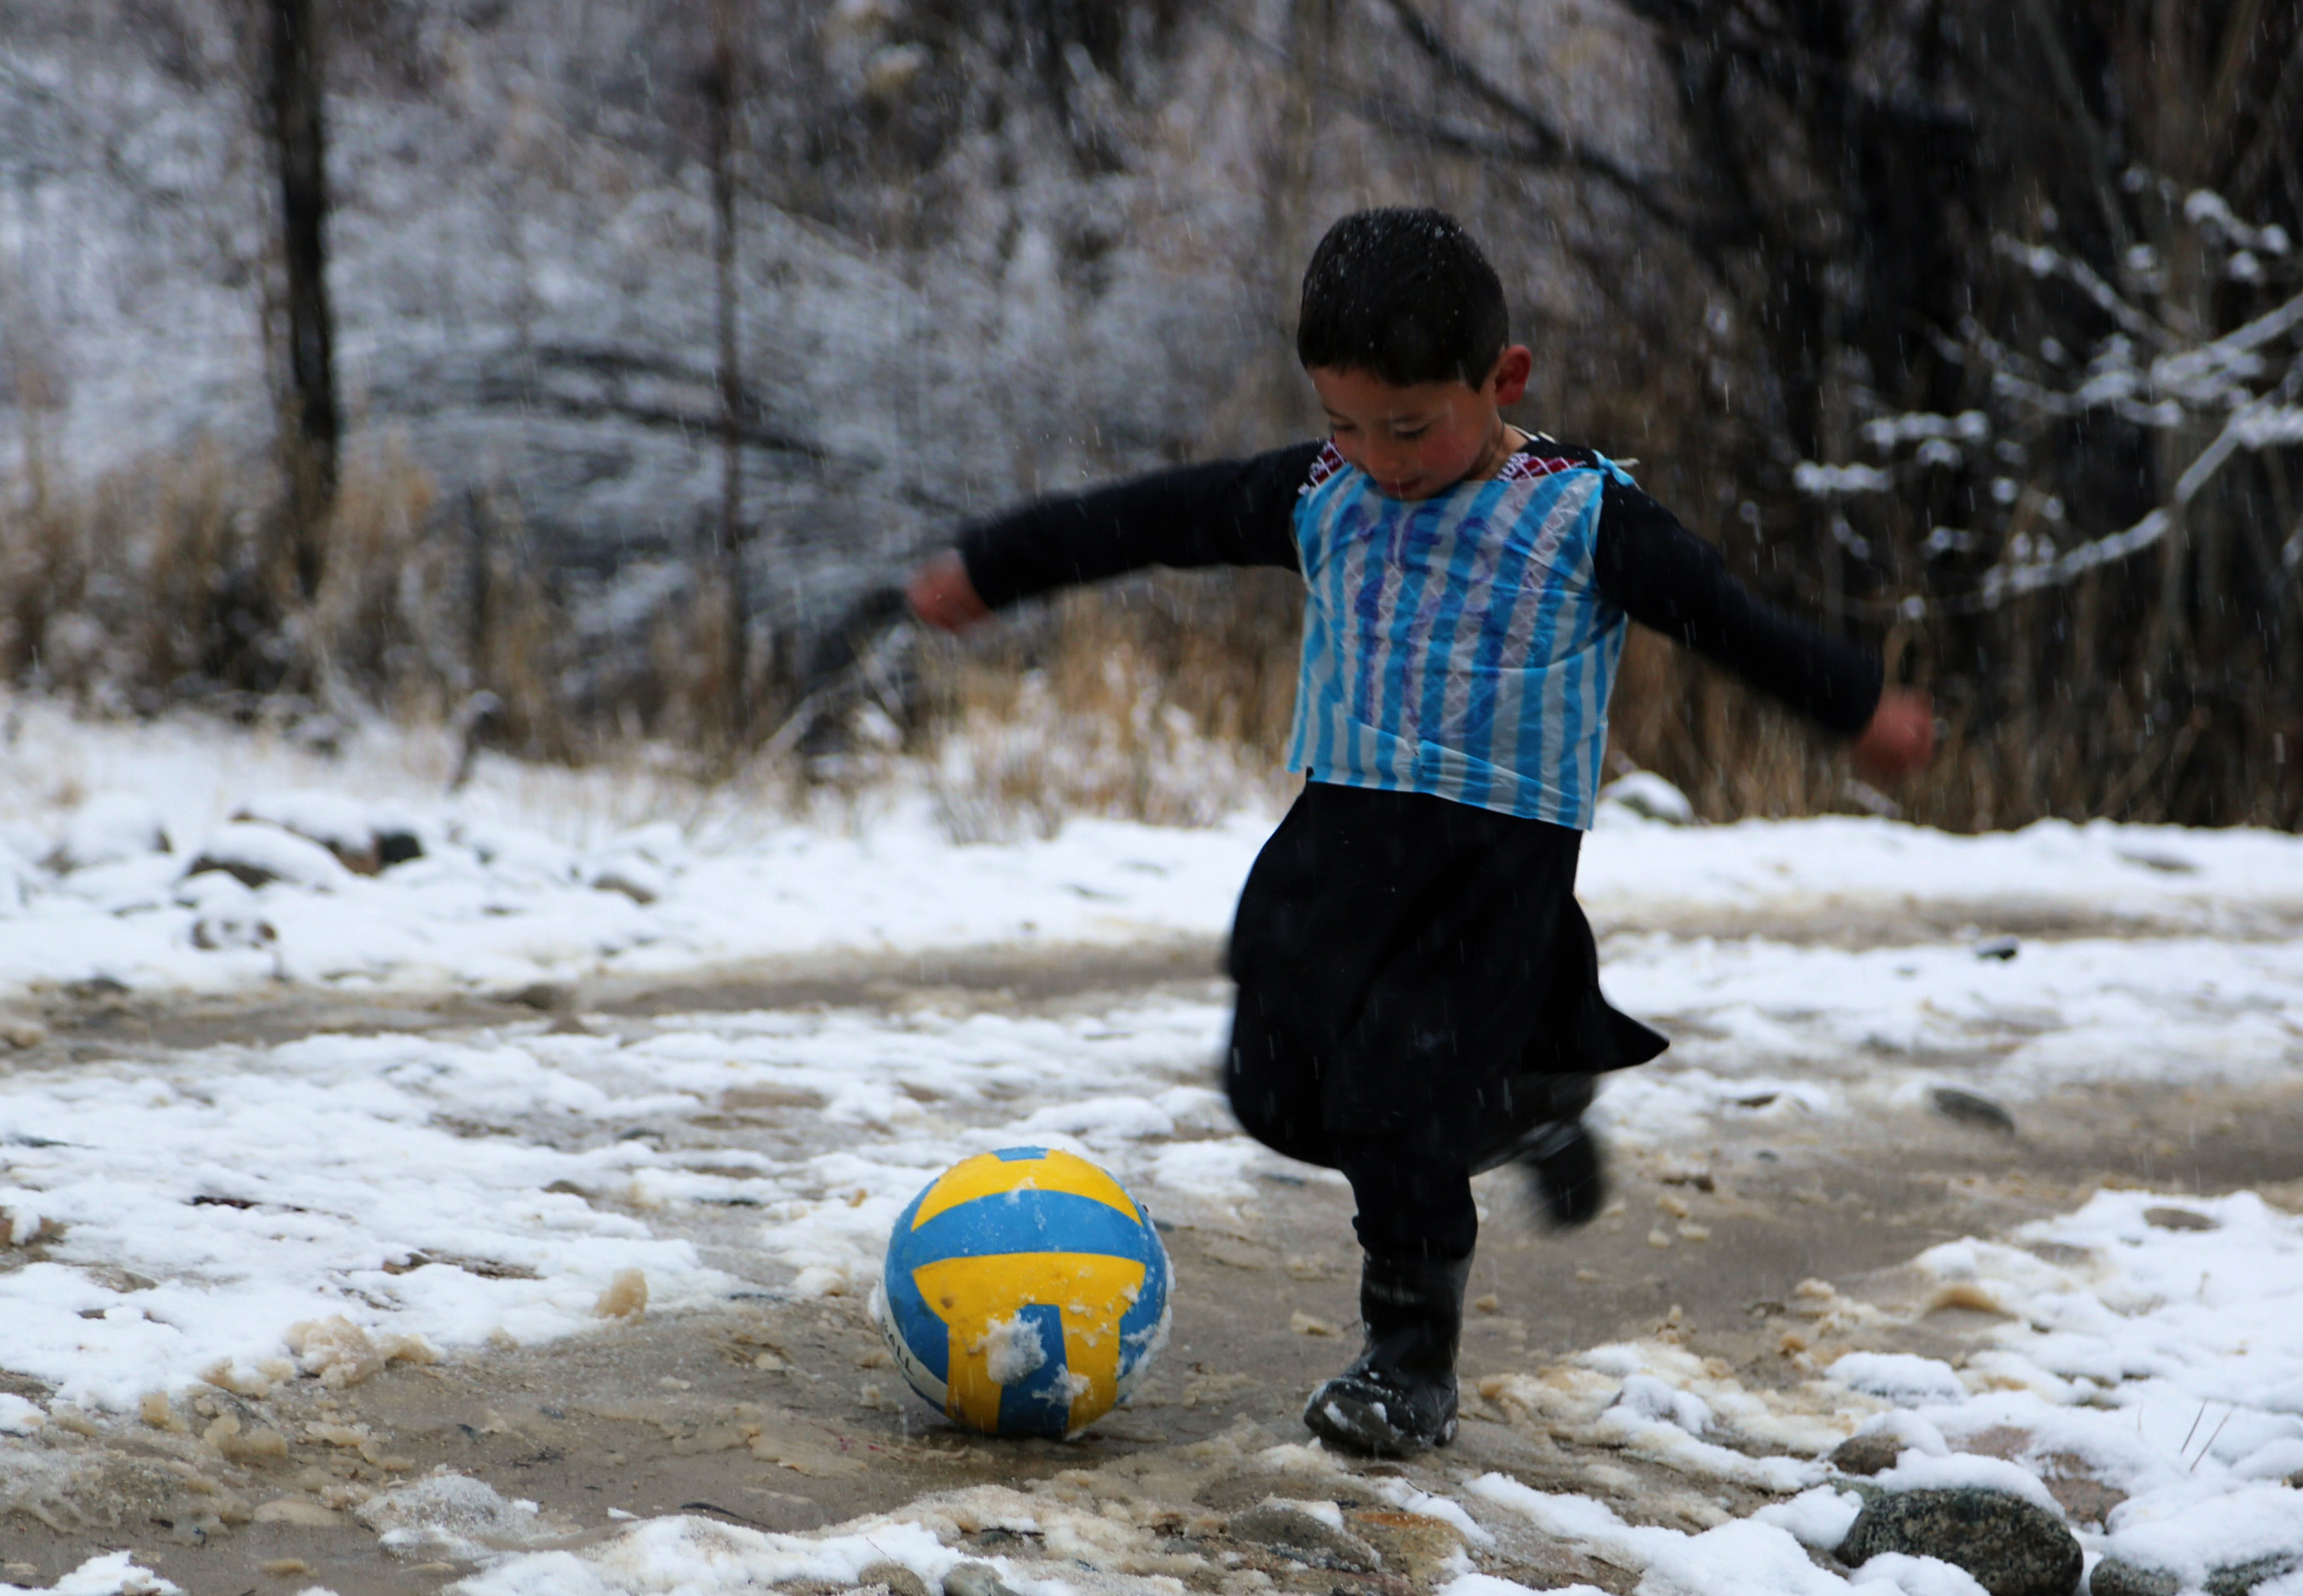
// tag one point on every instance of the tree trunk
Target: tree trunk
(724, 91)
(311, 425)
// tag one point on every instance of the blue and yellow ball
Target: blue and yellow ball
(1025, 1293)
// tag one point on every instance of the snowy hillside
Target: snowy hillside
(948, 296)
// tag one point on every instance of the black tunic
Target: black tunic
(1409, 965)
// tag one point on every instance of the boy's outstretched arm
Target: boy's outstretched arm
(1665, 577)
(1226, 512)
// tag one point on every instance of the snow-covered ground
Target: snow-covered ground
(123, 850)
(2158, 1360)
(529, 874)
(245, 1216)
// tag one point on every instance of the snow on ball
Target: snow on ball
(1025, 1293)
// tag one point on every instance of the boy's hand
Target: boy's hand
(942, 596)
(1899, 741)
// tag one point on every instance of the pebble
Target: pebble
(301, 1512)
(2011, 1546)
(1411, 1546)
(1971, 1107)
(2116, 1577)
(550, 997)
(1870, 1454)
(1292, 1531)
(974, 1579)
(897, 1579)
(2241, 1578)
(2178, 1218)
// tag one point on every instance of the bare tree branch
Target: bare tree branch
(1546, 145)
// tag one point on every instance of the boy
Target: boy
(1418, 989)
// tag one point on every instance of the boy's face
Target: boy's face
(1421, 440)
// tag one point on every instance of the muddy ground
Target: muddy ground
(784, 1415)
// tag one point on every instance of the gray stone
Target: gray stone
(2178, 1218)
(2116, 1576)
(974, 1579)
(2241, 1578)
(1233, 1493)
(396, 847)
(1969, 1108)
(2011, 1546)
(1292, 1532)
(893, 1577)
(1869, 1454)
(246, 872)
(1410, 1546)
(549, 996)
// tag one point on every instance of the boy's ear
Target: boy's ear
(1513, 366)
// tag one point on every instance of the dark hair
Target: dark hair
(1405, 294)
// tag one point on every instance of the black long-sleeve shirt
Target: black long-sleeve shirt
(1241, 512)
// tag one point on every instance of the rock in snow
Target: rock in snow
(1296, 1529)
(258, 854)
(1969, 1108)
(454, 1516)
(1897, 1377)
(974, 1579)
(110, 827)
(2013, 1547)
(1867, 1454)
(2116, 1576)
(1650, 797)
(363, 841)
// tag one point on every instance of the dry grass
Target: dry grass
(171, 582)
(1165, 700)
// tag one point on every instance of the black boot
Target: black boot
(1563, 1164)
(1399, 1397)
(1542, 1132)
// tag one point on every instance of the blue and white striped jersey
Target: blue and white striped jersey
(1458, 645)
(1462, 647)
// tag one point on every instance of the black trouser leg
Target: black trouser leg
(1409, 1206)
(1274, 1085)
(1417, 1225)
